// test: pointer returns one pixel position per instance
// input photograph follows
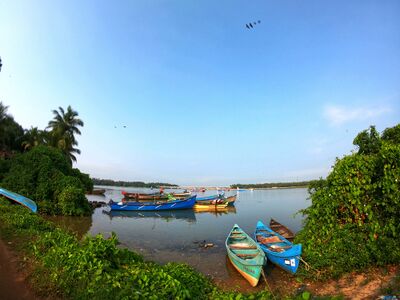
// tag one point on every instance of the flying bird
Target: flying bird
(251, 25)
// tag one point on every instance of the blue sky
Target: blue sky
(205, 101)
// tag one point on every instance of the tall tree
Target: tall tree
(10, 132)
(64, 126)
(34, 137)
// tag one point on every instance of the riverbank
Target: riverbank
(57, 261)
(13, 281)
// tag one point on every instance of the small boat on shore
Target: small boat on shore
(279, 250)
(154, 206)
(17, 198)
(245, 255)
(281, 229)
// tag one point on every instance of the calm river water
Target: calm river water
(179, 235)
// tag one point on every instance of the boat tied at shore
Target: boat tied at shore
(245, 255)
(279, 250)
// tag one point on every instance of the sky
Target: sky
(205, 100)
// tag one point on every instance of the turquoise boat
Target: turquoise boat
(279, 250)
(19, 199)
(245, 255)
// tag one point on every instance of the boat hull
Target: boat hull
(19, 199)
(210, 207)
(154, 206)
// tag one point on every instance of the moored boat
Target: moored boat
(278, 249)
(154, 206)
(231, 199)
(245, 255)
(181, 195)
(281, 229)
(19, 199)
(140, 196)
(210, 198)
(210, 206)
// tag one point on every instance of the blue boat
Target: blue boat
(154, 206)
(278, 249)
(19, 199)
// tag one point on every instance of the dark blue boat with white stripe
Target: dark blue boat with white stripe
(278, 249)
(154, 206)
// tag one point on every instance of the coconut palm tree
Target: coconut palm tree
(63, 127)
(34, 137)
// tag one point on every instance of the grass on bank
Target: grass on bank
(95, 268)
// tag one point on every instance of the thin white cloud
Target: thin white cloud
(338, 115)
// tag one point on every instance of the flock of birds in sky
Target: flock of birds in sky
(251, 25)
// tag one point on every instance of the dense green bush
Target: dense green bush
(45, 175)
(95, 268)
(353, 221)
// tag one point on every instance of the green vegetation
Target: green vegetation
(353, 221)
(45, 175)
(271, 185)
(38, 163)
(109, 182)
(95, 268)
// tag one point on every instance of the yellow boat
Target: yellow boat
(210, 207)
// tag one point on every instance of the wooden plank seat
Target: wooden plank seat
(242, 246)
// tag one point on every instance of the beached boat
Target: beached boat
(281, 229)
(245, 255)
(17, 198)
(154, 206)
(210, 206)
(278, 249)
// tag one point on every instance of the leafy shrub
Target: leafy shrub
(44, 174)
(353, 221)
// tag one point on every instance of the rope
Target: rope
(309, 267)
(266, 282)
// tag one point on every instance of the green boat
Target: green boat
(245, 255)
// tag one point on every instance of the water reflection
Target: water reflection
(184, 214)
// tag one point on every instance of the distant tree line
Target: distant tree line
(271, 185)
(110, 182)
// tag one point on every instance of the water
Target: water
(180, 235)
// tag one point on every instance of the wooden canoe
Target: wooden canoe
(245, 255)
(281, 229)
(278, 249)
